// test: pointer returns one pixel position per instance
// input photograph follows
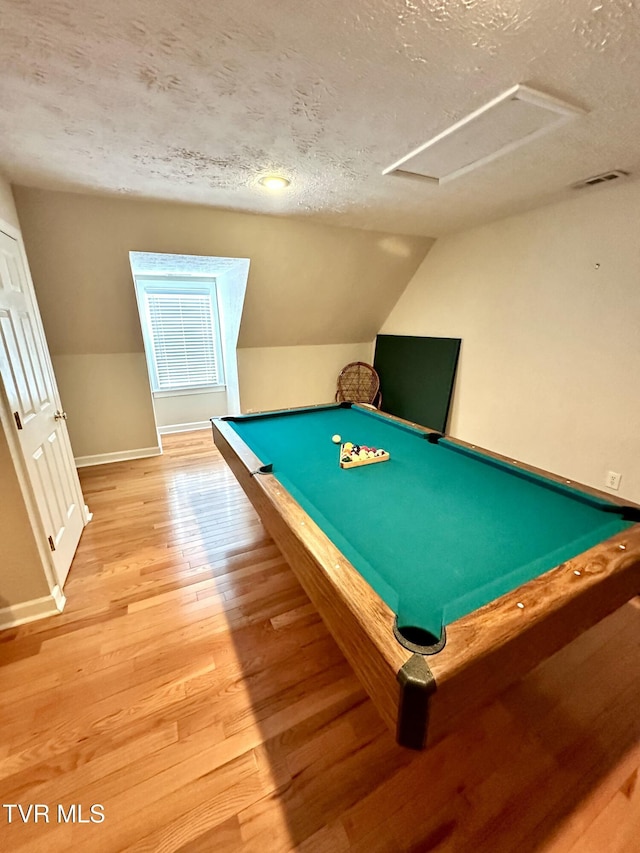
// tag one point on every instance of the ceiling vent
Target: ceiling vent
(515, 117)
(600, 179)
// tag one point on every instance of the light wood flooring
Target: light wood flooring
(190, 689)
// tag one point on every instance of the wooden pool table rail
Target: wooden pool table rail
(343, 598)
(485, 651)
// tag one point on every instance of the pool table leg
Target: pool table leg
(417, 684)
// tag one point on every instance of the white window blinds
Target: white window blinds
(183, 332)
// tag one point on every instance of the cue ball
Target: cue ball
(336, 439)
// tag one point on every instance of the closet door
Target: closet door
(40, 423)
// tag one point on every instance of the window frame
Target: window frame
(187, 285)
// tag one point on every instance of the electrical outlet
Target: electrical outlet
(612, 480)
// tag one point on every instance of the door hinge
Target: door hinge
(51, 543)
(18, 421)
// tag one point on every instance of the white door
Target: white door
(32, 397)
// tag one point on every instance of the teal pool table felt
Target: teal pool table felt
(439, 530)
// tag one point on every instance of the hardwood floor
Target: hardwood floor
(191, 690)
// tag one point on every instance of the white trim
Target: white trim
(59, 598)
(118, 456)
(190, 427)
(11, 230)
(187, 392)
(29, 611)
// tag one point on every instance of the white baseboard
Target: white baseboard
(167, 430)
(29, 611)
(118, 456)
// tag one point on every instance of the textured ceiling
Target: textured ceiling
(157, 263)
(193, 100)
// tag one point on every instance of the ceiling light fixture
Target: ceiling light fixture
(274, 182)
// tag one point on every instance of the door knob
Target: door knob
(60, 416)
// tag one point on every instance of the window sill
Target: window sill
(184, 392)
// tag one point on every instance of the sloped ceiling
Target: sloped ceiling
(308, 283)
(193, 101)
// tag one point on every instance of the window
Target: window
(182, 333)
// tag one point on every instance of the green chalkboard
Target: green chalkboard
(416, 377)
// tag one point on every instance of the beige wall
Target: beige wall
(548, 308)
(108, 402)
(308, 284)
(21, 574)
(178, 410)
(279, 377)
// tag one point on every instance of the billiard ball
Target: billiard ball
(336, 439)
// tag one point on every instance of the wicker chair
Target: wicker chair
(358, 382)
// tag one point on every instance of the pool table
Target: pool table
(444, 573)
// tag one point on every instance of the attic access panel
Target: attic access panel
(515, 117)
(417, 376)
